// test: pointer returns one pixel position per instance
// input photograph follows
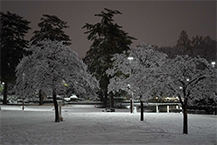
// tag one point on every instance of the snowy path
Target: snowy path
(38, 127)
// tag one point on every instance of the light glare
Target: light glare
(130, 58)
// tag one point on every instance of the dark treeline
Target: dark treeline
(204, 47)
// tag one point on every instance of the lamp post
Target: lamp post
(130, 58)
(131, 99)
(214, 107)
(23, 91)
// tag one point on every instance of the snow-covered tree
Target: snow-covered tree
(129, 71)
(188, 78)
(50, 64)
(144, 59)
(51, 27)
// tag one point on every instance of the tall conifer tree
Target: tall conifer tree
(13, 29)
(51, 27)
(108, 38)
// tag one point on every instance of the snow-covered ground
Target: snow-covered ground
(36, 125)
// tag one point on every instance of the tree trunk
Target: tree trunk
(131, 105)
(5, 93)
(57, 119)
(40, 97)
(112, 100)
(142, 112)
(185, 119)
(101, 96)
(105, 98)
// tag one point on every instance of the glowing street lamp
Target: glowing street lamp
(130, 58)
(213, 64)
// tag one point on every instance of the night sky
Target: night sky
(155, 22)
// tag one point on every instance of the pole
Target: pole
(142, 112)
(168, 109)
(23, 104)
(157, 110)
(131, 100)
(23, 90)
(131, 103)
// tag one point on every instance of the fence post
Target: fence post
(157, 111)
(168, 109)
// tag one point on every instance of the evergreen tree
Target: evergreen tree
(205, 47)
(108, 38)
(171, 51)
(51, 27)
(13, 29)
(184, 43)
